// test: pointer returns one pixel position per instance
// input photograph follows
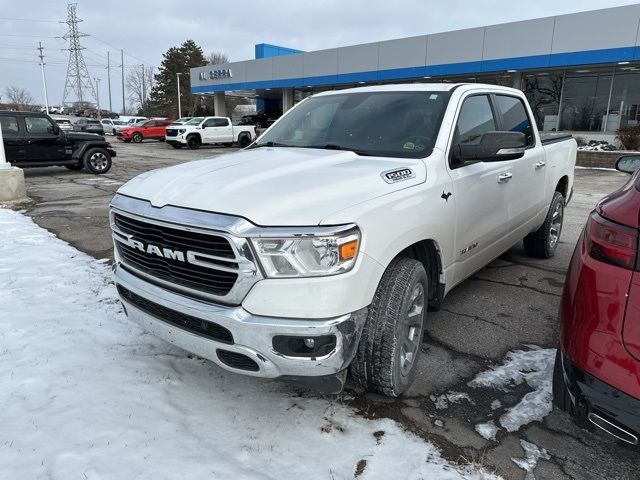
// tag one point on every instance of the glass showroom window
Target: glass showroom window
(585, 99)
(544, 90)
(624, 108)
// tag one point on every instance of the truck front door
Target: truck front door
(15, 144)
(217, 130)
(44, 141)
(480, 196)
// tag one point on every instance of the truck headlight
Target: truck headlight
(308, 256)
(181, 130)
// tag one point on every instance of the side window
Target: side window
(39, 126)
(222, 122)
(9, 126)
(151, 124)
(475, 119)
(514, 116)
(211, 122)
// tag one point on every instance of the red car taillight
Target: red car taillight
(610, 242)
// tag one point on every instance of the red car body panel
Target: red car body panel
(150, 129)
(600, 308)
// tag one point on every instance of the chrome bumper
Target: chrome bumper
(253, 335)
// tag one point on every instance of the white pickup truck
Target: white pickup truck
(318, 250)
(207, 130)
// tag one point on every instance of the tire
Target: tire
(136, 137)
(97, 160)
(244, 141)
(544, 241)
(193, 142)
(390, 344)
(161, 139)
(176, 145)
(75, 167)
(228, 144)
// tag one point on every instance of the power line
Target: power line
(27, 20)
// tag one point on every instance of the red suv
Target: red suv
(149, 129)
(597, 370)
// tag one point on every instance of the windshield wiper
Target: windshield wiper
(335, 146)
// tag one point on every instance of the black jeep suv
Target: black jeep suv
(35, 140)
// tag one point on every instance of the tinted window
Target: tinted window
(475, 119)
(9, 126)
(216, 122)
(93, 122)
(396, 124)
(39, 125)
(514, 116)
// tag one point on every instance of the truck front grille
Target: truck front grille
(168, 254)
(171, 133)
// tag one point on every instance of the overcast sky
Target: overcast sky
(145, 29)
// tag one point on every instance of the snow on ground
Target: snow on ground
(442, 401)
(487, 430)
(535, 367)
(532, 455)
(88, 395)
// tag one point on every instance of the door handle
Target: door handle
(504, 177)
(539, 165)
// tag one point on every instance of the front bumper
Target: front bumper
(252, 334)
(591, 396)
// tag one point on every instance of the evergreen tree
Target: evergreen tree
(163, 101)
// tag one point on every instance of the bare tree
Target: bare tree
(139, 84)
(19, 97)
(218, 58)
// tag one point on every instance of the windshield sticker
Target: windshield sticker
(397, 175)
(409, 146)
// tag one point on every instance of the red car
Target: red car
(149, 129)
(597, 371)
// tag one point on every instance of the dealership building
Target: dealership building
(581, 72)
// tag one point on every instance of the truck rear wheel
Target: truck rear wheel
(391, 339)
(543, 242)
(97, 160)
(244, 141)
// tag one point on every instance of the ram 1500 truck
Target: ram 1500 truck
(320, 248)
(207, 130)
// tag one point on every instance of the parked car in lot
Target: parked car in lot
(181, 120)
(148, 130)
(63, 123)
(263, 118)
(130, 120)
(209, 130)
(88, 125)
(320, 247)
(597, 370)
(110, 125)
(35, 140)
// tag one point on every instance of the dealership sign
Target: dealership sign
(216, 74)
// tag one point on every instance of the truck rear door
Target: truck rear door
(44, 142)
(526, 187)
(14, 140)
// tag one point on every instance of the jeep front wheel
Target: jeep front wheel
(391, 339)
(97, 160)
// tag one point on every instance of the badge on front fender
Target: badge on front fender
(397, 175)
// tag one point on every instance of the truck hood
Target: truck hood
(274, 186)
(82, 137)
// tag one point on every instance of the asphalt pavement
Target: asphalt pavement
(507, 306)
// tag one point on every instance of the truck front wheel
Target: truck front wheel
(193, 142)
(97, 160)
(391, 339)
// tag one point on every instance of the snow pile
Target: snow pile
(86, 394)
(535, 367)
(598, 146)
(442, 401)
(532, 455)
(487, 430)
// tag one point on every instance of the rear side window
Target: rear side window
(39, 125)
(9, 126)
(514, 116)
(216, 122)
(475, 119)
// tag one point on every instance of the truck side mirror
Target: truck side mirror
(493, 147)
(628, 163)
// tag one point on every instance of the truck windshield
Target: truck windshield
(195, 121)
(389, 124)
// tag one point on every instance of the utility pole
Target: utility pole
(144, 89)
(78, 79)
(124, 111)
(179, 105)
(109, 81)
(97, 80)
(44, 79)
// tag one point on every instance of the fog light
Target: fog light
(309, 347)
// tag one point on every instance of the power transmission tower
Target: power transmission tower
(78, 80)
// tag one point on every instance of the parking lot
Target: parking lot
(511, 305)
